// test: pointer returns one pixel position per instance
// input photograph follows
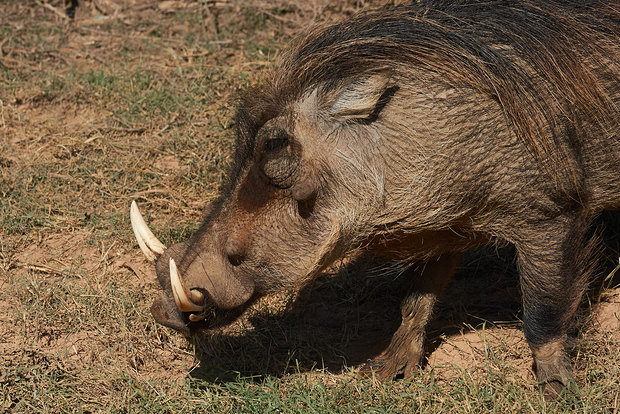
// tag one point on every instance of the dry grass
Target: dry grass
(135, 100)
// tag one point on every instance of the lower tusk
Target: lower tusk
(195, 318)
(181, 294)
(150, 246)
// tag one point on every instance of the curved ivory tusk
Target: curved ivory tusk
(181, 294)
(151, 247)
(195, 318)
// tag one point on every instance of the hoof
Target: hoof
(553, 389)
(383, 369)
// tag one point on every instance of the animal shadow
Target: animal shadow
(347, 317)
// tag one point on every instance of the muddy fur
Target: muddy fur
(416, 133)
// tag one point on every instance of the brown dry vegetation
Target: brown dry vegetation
(135, 100)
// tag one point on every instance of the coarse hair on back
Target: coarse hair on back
(542, 61)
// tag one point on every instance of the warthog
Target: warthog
(416, 133)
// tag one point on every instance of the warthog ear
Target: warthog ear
(364, 97)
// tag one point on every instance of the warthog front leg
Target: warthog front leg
(424, 283)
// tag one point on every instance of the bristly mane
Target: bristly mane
(540, 60)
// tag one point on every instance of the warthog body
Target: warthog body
(417, 133)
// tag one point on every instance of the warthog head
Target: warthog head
(279, 223)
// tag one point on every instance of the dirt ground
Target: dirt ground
(82, 133)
